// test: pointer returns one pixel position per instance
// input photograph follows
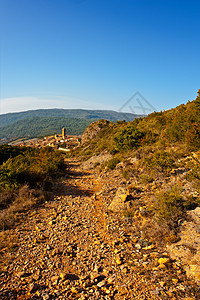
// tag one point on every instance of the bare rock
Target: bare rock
(187, 250)
(120, 199)
(96, 160)
(93, 130)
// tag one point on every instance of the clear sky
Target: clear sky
(96, 54)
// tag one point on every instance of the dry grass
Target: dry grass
(23, 200)
(8, 243)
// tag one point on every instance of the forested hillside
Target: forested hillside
(43, 126)
(42, 122)
(10, 118)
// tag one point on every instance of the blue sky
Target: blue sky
(94, 54)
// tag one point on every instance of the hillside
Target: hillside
(42, 122)
(10, 118)
(159, 159)
(179, 126)
(43, 126)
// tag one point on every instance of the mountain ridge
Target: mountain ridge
(10, 118)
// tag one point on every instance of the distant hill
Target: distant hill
(10, 118)
(34, 123)
(41, 126)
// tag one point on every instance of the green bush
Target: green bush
(169, 207)
(128, 138)
(161, 161)
(25, 180)
(150, 137)
(7, 152)
(36, 168)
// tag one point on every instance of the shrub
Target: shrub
(150, 137)
(111, 164)
(129, 172)
(161, 161)
(193, 137)
(128, 138)
(35, 168)
(7, 152)
(24, 179)
(191, 202)
(145, 178)
(113, 151)
(169, 207)
(194, 174)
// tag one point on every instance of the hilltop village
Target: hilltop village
(61, 141)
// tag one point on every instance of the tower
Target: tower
(63, 132)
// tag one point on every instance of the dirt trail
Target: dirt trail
(72, 247)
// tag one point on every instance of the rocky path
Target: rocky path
(72, 247)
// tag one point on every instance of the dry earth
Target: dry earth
(73, 247)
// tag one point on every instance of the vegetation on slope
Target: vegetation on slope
(178, 126)
(25, 177)
(7, 152)
(162, 145)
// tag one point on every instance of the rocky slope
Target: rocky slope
(93, 130)
(76, 247)
(187, 250)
